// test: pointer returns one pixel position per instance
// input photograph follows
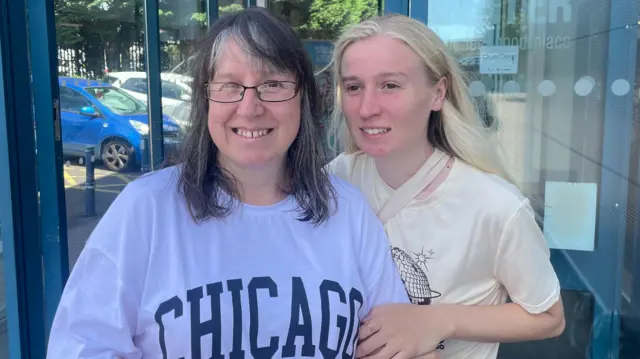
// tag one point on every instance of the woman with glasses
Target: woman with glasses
(247, 248)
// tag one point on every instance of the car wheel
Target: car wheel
(118, 156)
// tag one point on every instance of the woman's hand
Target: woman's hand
(401, 331)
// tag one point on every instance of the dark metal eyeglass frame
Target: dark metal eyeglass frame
(245, 88)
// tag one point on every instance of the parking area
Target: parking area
(106, 181)
(108, 185)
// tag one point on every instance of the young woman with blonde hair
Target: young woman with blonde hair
(463, 236)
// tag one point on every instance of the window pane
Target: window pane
(135, 84)
(182, 24)
(318, 31)
(117, 100)
(541, 72)
(100, 49)
(226, 6)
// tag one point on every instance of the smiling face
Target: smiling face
(251, 133)
(387, 96)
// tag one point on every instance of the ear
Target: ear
(440, 89)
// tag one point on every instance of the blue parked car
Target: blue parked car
(96, 113)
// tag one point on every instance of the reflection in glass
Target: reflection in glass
(182, 24)
(319, 23)
(538, 71)
(227, 6)
(117, 100)
(99, 43)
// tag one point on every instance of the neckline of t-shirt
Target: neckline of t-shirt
(454, 169)
(284, 204)
(280, 206)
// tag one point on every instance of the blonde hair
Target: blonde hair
(457, 129)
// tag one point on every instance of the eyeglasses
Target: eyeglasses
(272, 91)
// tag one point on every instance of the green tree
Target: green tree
(108, 30)
(97, 28)
(324, 19)
(201, 17)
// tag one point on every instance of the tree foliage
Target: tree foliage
(110, 33)
(324, 19)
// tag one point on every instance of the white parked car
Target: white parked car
(176, 91)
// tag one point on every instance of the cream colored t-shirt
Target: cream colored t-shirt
(474, 241)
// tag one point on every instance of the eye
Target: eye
(390, 86)
(274, 85)
(351, 87)
(225, 87)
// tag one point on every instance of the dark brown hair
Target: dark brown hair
(209, 189)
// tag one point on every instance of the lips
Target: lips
(375, 131)
(252, 133)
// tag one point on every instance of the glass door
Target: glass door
(556, 80)
(80, 74)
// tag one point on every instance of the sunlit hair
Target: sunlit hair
(270, 42)
(458, 128)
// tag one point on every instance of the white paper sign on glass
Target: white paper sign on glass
(570, 215)
(496, 60)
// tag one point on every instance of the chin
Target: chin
(374, 150)
(255, 160)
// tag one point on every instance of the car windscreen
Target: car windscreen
(117, 100)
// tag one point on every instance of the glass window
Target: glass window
(100, 46)
(540, 71)
(117, 100)
(227, 6)
(174, 91)
(71, 100)
(182, 24)
(319, 24)
(135, 84)
(110, 79)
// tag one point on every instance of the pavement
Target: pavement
(108, 185)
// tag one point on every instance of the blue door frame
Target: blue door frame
(598, 272)
(46, 109)
(18, 190)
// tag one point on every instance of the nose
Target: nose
(250, 105)
(369, 106)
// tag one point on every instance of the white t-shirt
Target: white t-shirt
(259, 284)
(474, 241)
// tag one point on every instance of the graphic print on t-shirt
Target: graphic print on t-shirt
(337, 319)
(414, 278)
(422, 258)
